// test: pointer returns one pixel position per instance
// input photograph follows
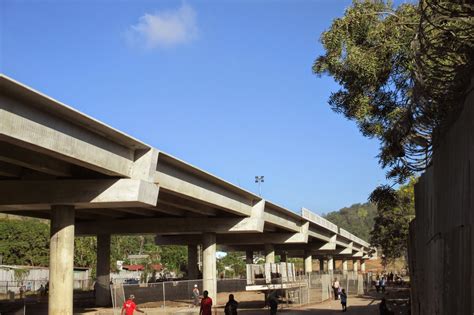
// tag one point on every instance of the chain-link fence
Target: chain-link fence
(176, 296)
(37, 287)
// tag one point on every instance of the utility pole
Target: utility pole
(259, 180)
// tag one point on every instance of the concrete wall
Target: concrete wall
(441, 244)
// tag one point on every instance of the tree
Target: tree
(402, 73)
(24, 242)
(233, 263)
(391, 227)
(357, 219)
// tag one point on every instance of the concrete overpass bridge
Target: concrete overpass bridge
(90, 179)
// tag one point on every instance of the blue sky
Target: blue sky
(226, 86)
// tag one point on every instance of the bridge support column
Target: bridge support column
(283, 257)
(61, 261)
(330, 264)
(193, 270)
(308, 262)
(209, 265)
(102, 293)
(344, 266)
(355, 263)
(362, 265)
(269, 253)
(249, 257)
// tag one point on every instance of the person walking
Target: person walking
(344, 300)
(335, 287)
(383, 308)
(206, 304)
(129, 306)
(231, 306)
(273, 302)
(196, 296)
(377, 284)
(383, 283)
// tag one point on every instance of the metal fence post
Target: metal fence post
(164, 295)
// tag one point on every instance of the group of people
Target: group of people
(129, 306)
(205, 303)
(380, 284)
(340, 293)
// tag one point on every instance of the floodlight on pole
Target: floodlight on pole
(259, 180)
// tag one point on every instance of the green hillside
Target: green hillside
(358, 219)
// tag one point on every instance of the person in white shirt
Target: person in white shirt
(335, 287)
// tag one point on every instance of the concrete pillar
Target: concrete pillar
(330, 264)
(269, 253)
(61, 261)
(362, 265)
(308, 262)
(283, 257)
(193, 270)
(321, 264)
(209, 265)
(249, 257)
(355, 263)
(102, 294)
(344, 266)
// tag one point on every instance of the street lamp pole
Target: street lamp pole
(259, 180)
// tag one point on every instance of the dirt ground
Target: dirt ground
(251, 303)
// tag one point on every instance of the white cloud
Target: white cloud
(164, 29)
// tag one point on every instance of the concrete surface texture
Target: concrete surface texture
(441, 247)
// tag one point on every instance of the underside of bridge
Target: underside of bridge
(90, 179)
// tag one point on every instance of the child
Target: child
(344, 300)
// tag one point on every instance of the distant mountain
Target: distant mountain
(358, 219)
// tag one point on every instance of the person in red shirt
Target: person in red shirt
(206, 304)
(129, 306)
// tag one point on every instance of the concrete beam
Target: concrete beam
(231, 239)
(179, 206)
(201, 193)
(319, 221)
(9, 170)
(256, 220)
(331, 245)
(34, 161)
(279, 218)
(37, 130)
(81, 193)
(347, 250)
(165, 226)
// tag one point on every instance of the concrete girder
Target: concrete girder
(144, 165)
(104, 193)
(38, 162)
(331, 245)
(146, 212)
(195, 192)
(347, 250)
(229, 239)
(40, 131)
(206, 210)
(166, 226)
(9, 170)
(276, 216)
(358, 254)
